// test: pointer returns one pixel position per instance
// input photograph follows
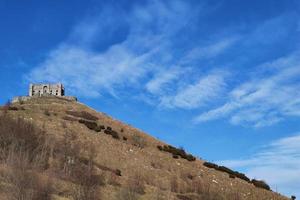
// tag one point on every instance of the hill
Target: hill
(58, 149)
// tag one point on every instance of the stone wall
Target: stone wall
(46, 89)
(27, 98)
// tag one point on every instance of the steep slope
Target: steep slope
(121, 161)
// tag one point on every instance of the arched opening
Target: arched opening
(45, 89)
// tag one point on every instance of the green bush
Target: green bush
(225, 169)
(13, 108)
(118, 172)
(293, 197)
(160, 147)
(242, 176)
(232, 174)
(89, 124)
(111, 132)
(210, 165)
(260, 184)
(176, 152)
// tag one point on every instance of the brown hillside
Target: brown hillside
(74, 152)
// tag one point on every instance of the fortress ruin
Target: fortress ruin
(45, 90)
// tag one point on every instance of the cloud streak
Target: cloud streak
(196, 95)
(266, 99)
(278, 163)
(150, 54)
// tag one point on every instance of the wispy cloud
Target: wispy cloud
(147, 49)
(145, 60)
(90, 72)
(162, 78)
(209, 51)
(267, 98)
(278, 163)
(195, 95)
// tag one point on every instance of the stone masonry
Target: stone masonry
(46, 90)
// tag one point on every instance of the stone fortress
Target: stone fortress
(45, 90)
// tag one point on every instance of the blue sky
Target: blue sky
(219, 78)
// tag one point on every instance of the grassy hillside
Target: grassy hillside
(57, 149)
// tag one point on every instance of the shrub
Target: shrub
(160, 147)
(232, 174)
(13, 108)
(118, 172)
(89, 124)
(176, 152)
(97, 129)
(225, 169)
(241, 176)
(82, 114)
(113, 133)
(293, 197)
(102, 127)
(124, 138)
(260, 184)
(210, 165)
(190, 157)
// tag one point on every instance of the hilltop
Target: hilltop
(71, 151)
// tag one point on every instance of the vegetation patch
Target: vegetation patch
(176, 152)
(13, 108)
(90, 124)
(260, 184)
(232, 174)
(111, 132)
(210, 165)
(82, 114)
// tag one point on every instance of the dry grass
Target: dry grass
(86, 165)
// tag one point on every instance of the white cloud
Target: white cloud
(195, 95)
(278, 163)
(144, 60)
(209, 51)
(161, 79)
(90, 72)
(266, 99)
